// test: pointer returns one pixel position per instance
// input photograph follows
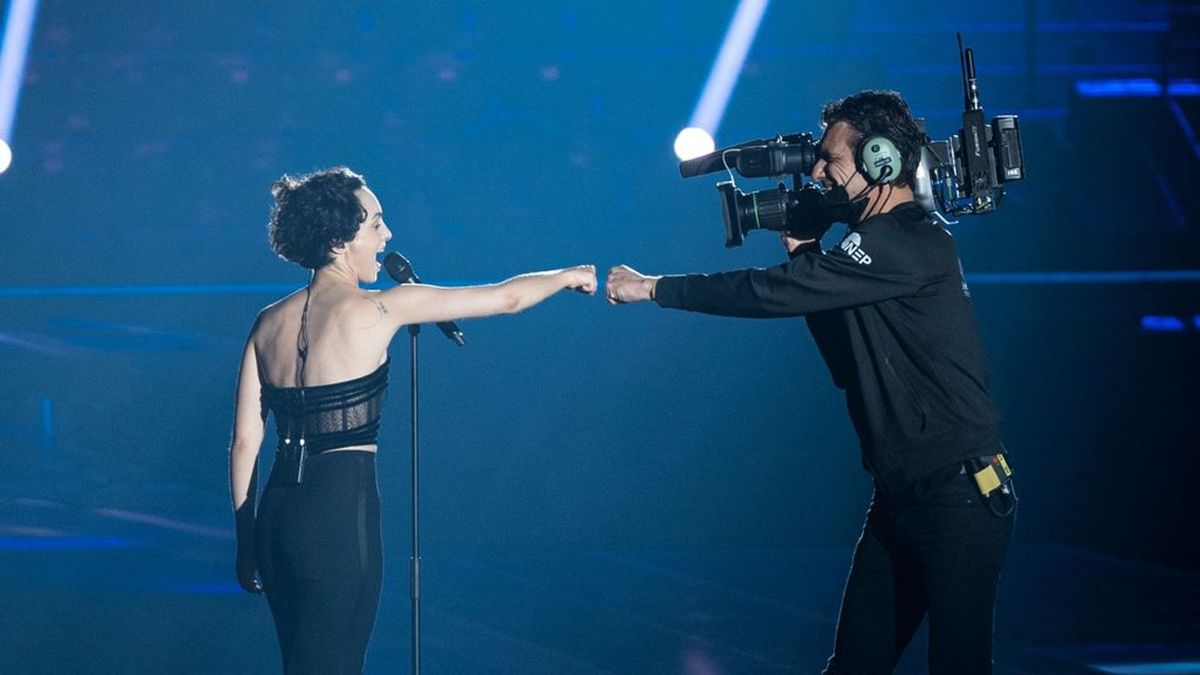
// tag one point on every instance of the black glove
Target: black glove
(246, 567)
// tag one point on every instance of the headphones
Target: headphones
(879, 160)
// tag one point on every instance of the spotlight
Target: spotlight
(723, 77)
(693, 142)
(14, 47)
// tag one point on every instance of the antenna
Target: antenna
(962, 64)
(970, 84)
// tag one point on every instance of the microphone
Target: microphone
(401, 270)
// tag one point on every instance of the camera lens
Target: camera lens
(762, 210)
(765, 209)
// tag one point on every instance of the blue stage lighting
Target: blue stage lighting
(1142, 87)
(1183, 88)
(62, 543)
(725, 71)
(1163, 324)
(17, 30)
(1173, 667)
(1127, 277)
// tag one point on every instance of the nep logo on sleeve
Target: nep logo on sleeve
(852, 245)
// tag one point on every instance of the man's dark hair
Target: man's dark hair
(314, 213)
(885, 113)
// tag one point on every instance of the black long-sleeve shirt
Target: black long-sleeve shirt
(892, 317)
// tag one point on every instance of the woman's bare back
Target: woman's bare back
(347, 336)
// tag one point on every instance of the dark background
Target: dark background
(508, 137)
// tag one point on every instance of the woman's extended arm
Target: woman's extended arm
(420, 303)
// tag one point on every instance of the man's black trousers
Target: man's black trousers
(933, 550)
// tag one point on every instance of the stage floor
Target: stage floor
(106, 590)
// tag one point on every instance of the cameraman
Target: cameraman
(892, 317)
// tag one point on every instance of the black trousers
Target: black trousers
(934, 550)
(320, 559)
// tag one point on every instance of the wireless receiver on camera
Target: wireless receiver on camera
(965, 174)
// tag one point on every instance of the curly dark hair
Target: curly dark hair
(885, 113)
(314, 213)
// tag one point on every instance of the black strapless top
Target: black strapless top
(328, 416)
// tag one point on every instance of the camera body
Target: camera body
(963, 175)
(955, 177)
(775, 209)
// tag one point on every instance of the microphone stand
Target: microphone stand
(415, 579)
(400, 269)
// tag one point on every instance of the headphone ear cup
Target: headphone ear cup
(879, 160)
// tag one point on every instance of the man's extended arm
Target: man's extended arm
(865, 269)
